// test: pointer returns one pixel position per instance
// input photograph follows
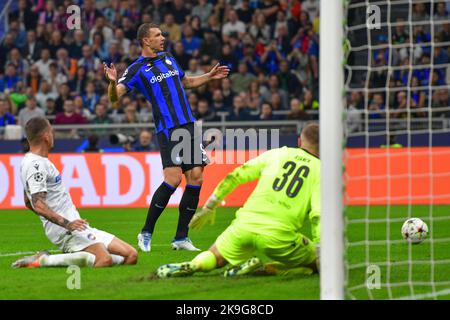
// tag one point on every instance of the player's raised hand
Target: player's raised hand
(205, 215)
(110, 72)
(77, 225)
(219, 72)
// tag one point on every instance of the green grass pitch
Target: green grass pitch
(22, 232)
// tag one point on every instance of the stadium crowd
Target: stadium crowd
(270, 46)
(410, 68)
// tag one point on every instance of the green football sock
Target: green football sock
(205, 261)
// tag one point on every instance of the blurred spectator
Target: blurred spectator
(99, 46)
(210, 45)
(45, 93)
(6, 118)
(203, 10)
(227, 58)
(19, 35)
(145, 142)
(420, 12)
(123, 42)
(90, 98)
(101, 115)
(233, 26)
(88, 61)
(6, 46)
(267, 113)
(259, 29)
(130, 114)
(309, 103)
(103, 29)
(76, 47)
(241, 80)
(64, 94)
(356, 100)
(56, 78)
(227, 92)
(296, 111)
(218, 101)
(193, 69)
(93, 144)
(24, 15)
(80, 109)
(32, 48)
(204, 113)
(179, 11)
(50, 108)
(240, 111)
(171, 28)
(15, 58)
(190, 42)
(254, 99)
(288, 81)
(69, 116)
(44, 62)
(312, 7)
(269, 8)
(66, 66)
(56, 43)
(30, 111)
(181, 56)
(377, 107)
(158, 10)
(19, 96)
(400, 35)
(244, 12)
(10, 79)
(441, 100)
(271, 57)
(88, 14)
(78, 83)
(274, 88)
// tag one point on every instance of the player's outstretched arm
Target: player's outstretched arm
(249, 171)
(217, 72)
(40, 207)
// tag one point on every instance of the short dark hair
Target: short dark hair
(144, 31)
(35, 127)
(311, 133)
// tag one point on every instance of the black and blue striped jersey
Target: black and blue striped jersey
(159, 80)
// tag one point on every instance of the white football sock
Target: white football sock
(81, 259)
(117, 259)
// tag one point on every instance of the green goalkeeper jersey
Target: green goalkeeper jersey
(287, 193)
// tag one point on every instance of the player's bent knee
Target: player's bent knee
(132, 257)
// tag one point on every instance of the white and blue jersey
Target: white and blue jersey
(159, 80)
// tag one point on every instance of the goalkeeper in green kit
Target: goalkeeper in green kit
(287, 193)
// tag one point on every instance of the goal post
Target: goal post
(331, 149)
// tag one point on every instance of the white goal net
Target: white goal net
(397, 151)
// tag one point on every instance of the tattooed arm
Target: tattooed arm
(40, 207)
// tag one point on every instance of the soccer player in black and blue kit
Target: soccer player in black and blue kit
(157, 75)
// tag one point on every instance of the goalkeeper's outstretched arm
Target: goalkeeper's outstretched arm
(249, 171)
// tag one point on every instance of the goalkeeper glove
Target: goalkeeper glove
(206, 214)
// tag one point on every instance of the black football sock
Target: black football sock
(188, 205)
(157, 206)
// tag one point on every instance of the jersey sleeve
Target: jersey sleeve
(249, 171)
(129, 77)
(36, 178)
(314, 214)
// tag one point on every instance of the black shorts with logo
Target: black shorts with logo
(182, 147)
